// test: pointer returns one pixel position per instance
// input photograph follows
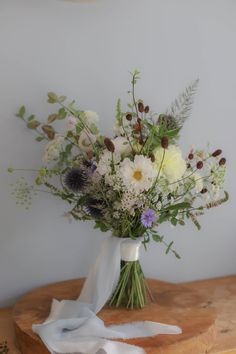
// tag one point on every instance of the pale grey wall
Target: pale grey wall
(85, 50)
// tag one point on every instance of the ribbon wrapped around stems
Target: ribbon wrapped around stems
(73, 327)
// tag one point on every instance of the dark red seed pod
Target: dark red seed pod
(164, 142)
(204, 190)
(152, 157)
(222, 161)
(199, 165)
(129, 116)
(109, 145)
(140, 107)
(190, 156)
(217, 152)
(137, 128)
(141, 141)
(146, 109)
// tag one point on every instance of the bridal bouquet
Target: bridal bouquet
(129, 183)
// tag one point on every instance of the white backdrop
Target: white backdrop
(86, 49)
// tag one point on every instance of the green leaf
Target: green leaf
(184, 205)
(62, 99)
(49, 131)
(39, 138)
(174, 221)
(157, 238)
(33, 124)
(52, 118)
(52, 97)
(61, 114)
(32, 117)
(169, 247)
(21, 112)
(176, 254)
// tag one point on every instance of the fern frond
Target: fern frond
(195, 221)
(218, 202)
(181, 108)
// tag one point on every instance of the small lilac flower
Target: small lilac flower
(148, 217)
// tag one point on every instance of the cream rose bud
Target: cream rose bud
(71, 123)
(122, 146)
(91, 117)
(173, 166)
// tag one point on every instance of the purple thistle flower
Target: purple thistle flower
(148, 217)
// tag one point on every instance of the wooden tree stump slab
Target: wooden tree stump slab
(174, 304)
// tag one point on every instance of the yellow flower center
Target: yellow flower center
(138, 175)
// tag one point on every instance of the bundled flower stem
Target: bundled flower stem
(131, 291)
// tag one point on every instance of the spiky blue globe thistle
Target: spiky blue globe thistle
(76, 179)
(95, 207)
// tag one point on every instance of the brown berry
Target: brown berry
(199, 165)
(140, 107)
(109, 145)
(129, 116)
(164, 142)
(217, 152)
(146, 109)
(152, 157)
(190, 156)
(222, 161)
(204, 190)
(141, 141)
(137, 128)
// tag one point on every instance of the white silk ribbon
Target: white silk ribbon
(72, 325)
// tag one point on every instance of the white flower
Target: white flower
(137, 175)
(53, 148)
(173, 166)
(71, 123)
(91, 117)
(122, 145)
(86, 140)
(105, 162)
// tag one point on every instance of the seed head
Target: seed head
(217, 152)
(164, 142)
(109, 145)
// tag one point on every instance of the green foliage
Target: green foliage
(181, 108)
(21, 112)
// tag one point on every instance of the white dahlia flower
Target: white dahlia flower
(173, 166)
(137, 175)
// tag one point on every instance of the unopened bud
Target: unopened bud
(152, 157)
(164, 142)
(146, 109)
(129, 116)
(217, 152)
(222, 161)
(109, 145)
(190, 156)
(199, 165)
(204, 190)
(140, 107)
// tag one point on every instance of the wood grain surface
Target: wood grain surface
(174, 304)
